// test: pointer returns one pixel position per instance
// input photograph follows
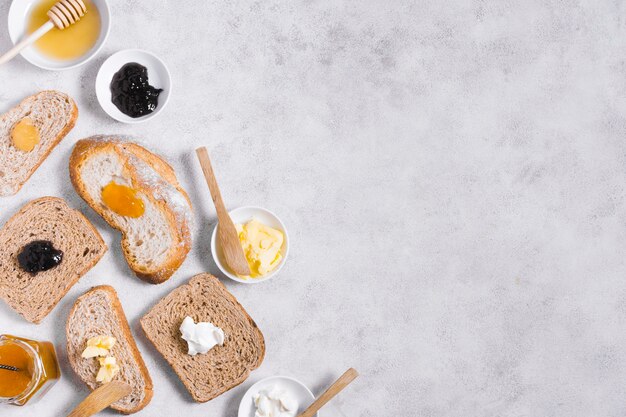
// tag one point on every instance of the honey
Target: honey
(71, 42)
(37, 372)
(122, 200)
(25, 135)
(13, 383)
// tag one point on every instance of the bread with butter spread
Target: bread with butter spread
(53, 114)
(205, 299)
(99, 312)
(156, 242)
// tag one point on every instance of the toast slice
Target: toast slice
(208, 375)
(47, 218)
(54, 114)
(98, 312)
(156, 243)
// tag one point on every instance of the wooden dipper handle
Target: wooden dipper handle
(63, 14)
(101, 398)
(333, 390)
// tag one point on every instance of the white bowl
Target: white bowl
(244, 215)
(18, 17)
(158, 77)
(297, 389)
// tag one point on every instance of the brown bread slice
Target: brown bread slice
(47, 218)
(156, 243)
(54, 114)
(99, 312)
(207, 375)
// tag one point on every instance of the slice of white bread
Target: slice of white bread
(47, 218)
(54, 114)
(156, 243)
(205, 299)
(98, 312)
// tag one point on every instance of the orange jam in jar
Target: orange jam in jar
(122, 200)
(37, 369)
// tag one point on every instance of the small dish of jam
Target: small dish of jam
(133, 86)
(29, 369)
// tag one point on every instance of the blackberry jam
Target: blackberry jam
(39, 255)
(131, 93)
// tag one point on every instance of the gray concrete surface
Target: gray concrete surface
(451, 173)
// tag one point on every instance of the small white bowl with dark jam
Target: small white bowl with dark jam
(60, 49)
(133, 85)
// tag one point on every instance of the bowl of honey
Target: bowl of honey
(59, 49)
(28, 369)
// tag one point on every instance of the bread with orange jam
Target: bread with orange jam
(136, 192)
(29, 132)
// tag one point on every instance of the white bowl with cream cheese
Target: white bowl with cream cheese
(282, 391)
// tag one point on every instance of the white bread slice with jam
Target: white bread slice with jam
(156, 243)
(99, 312)
(205, 299)
(54, 115)
(48, 219)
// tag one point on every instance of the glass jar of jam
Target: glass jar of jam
(37, 369)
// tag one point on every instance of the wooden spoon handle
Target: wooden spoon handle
(333, 390)
(209, 175)
(101, 398)
(226, 231)
(10, 54)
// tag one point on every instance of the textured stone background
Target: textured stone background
(451, 173)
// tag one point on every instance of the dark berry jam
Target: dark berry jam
(39, 256)
(131, 93)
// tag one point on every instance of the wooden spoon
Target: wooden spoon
(226, 233)
(63, 14)
(333, 390)
(101, 398)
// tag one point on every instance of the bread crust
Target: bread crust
(152, 338)
(88, 266)
(119, 311)
(69, 126)
(87, 148)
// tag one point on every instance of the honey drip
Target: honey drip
(122, 200)
(25, 135)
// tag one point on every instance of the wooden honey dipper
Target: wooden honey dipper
(63, 14)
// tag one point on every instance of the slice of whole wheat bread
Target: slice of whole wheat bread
(99, 312)
(205, 299)
(54, 114)
(156, 243)
(47, 218)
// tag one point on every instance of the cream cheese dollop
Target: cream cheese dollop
(275, 402)
(200, 337)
